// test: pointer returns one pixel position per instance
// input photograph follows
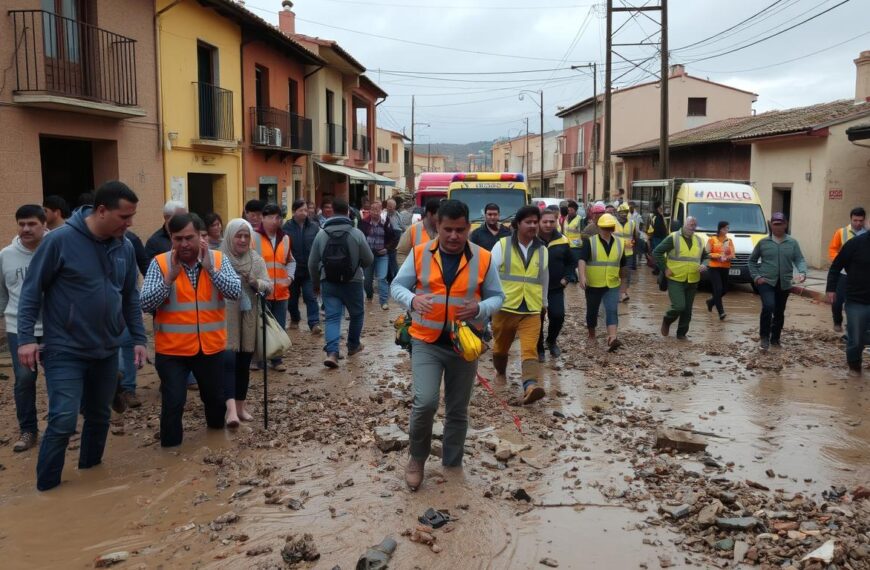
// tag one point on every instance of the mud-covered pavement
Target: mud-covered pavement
(583, 485)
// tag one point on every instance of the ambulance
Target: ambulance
(709, 202)
(477, 189)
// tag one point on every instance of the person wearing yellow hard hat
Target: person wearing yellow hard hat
(445, 280)
(626, 230)
(522, 262)
(602, 265)
(680, 256)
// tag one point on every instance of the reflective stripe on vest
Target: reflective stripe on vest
(602, 269)
(520, 282)
(470, 275)
(417, 235)
(573, 232)
(626, 232)
(684, 264)
(275, 258)
(848, 234)
(190, 319)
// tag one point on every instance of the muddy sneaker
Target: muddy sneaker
(131, 400)
(355, 350)
(555, 351)
(764, 344)
(119, 402)
(414, 473)
(25, 442)
(316, 329)
(385, 307)
(277, 367)
(331, 360)
(854, 372)
(666, 326)
(838, 328)
(532, 394)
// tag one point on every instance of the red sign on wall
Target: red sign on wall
(835, 194)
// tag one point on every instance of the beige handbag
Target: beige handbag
(277, 341)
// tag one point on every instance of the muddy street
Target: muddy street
(579, 484)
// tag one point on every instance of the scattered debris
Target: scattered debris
(111, 559)
(670, 438)
(377, 557)
(300, 549)
(434, 518)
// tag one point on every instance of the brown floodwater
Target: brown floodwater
(806, 421)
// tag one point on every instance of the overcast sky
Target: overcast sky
(548, 36)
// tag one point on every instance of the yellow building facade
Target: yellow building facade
(199, 59)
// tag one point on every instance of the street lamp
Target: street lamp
(541, 107)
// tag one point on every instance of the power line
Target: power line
(454, 80)
(406, 71)
(811, 18)
(740, 23)
(465, 7)
(788, 60)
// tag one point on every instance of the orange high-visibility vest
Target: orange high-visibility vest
(419, 234)
(717, 248)
(190, 319)
(466, 286)
(276, 265)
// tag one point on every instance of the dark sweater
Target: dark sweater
(854, 257)
(484, 238)
(561, 261)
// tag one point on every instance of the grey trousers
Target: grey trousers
(429, 362)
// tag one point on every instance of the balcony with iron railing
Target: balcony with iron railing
(361, 144)
(214, 114)
(280, 130)
(574, 161)
(336, 139)
(66, 64)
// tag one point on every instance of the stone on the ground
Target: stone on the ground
(107, 560)
(725, 544)
(737, 523)
(299, 550)
(679, 440)
(675, 512)
(391, 438)
(707, 515)
(741, 547)
(549, 562)
(824, 553)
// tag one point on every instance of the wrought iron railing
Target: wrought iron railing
(574, 160)
(275, 128)
(214, 112)
(336, 139)
(62, 56)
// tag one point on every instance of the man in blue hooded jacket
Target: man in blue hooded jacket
(83, 278)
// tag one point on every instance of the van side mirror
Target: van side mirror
(676, 225)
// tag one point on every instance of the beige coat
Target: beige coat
(242, 326)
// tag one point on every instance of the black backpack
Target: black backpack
(336, 258)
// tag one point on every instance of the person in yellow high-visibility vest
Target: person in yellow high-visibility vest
(602, 265)
(626, 229)
(680, 255)
(523, 267)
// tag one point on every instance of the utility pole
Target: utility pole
(607, 95)
(429, 157)
(664, 160)
(542, 144)
(413, 183)
(662, 46)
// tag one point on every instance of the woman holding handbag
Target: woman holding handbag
(720, 249)
(242, 317)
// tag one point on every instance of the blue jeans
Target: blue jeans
(773, 300)
(378, 269)
(337, 297)
(25, 388)
(75, 382)
(279, 310)
(392, 265)
(857, 322)
(304, 286)
(594, 297)
(127, 362)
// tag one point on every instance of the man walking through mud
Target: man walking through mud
(445, 280)
(680, 256)
(83, 278)
(854, 259)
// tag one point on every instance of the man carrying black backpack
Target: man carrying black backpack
(338, 257)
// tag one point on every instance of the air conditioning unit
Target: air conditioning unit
(261, 135)
(275, 137)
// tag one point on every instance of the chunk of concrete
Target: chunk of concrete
(737, 523)
(391, 438)
(679, 440)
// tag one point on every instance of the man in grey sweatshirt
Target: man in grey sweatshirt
(14, 261)
(83, 278)
(338, 257)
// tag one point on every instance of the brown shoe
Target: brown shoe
(414, 473)
(25, 442)
(666, 326)
(331, 360)
(357, 350)
(316, 329)
(277, 367)
(591, 332)
(131, 400)
(119, 402)
(533, 394)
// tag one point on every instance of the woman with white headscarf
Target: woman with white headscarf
(242, 317)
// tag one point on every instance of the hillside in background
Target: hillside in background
(457, 154)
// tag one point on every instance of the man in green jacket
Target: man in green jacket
(772, 266)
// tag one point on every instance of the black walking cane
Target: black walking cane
(265, 364)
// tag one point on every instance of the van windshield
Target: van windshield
(743, 218)
(508, 200)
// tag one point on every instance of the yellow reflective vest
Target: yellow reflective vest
(602, 269)
(573, 232)
(684, 260)
(626, 232)
(521, 281)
